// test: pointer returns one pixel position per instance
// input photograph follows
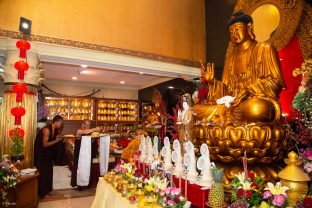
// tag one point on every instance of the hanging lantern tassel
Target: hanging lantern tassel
(21, 67)
(23, 45)
(20, 132)
(19, 89)
(18, 112)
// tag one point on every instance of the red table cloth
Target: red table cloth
(195, 195)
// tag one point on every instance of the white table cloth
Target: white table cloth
(107, 197)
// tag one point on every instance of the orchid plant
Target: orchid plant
(275, 196)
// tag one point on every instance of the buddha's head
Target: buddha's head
(240, 28)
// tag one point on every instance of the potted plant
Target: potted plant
(43, 113)
(17, 148)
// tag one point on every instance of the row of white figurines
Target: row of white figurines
(185, 166)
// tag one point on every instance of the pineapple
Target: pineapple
(216, 194)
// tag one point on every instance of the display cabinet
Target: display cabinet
(70, 108)
(116, 116)
(117, 110)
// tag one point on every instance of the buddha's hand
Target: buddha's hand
(210, 72)
(242, 96)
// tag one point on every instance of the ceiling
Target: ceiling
(92, 75)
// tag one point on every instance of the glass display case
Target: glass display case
(70, 108)
(117, 110)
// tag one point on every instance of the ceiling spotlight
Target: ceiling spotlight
(74, 78)
(25, 25)
(83, 66)
(141, 73)
(122, 82)
(170, 87)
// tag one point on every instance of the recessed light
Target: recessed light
(170, 87)
(141, 73)
(83, 66)
(25, 25)
(122, 82)
(74, 78)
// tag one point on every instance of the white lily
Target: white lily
(240, 177)
(277, 189)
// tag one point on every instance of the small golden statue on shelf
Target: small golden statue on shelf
(242, 112)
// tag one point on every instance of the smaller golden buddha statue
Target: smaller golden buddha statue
(152, 117)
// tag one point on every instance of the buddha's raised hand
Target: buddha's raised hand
(210, 72)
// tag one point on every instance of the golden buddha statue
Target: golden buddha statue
(242, 112)
(251, 74)
(152, 117)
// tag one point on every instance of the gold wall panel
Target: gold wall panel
(174, 28)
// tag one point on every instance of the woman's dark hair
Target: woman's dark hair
(57, 118)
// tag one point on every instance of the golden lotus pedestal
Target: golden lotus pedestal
(266, 145)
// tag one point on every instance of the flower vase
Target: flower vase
(17, 161)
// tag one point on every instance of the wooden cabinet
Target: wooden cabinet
(26, 193)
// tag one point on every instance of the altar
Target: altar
(107, 196)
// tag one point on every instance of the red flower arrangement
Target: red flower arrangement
(247, 189)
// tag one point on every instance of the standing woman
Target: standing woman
(45, 148)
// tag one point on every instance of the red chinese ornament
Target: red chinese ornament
(19, 89)
(23, 45)
(18, 131)
(21, 67)
(18, 112)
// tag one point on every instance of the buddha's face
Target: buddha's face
(238, 33)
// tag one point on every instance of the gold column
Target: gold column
(29, 121)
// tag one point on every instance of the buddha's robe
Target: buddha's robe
(262, 78)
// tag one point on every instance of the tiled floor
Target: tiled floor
(84, 202)
(61, 177)
(65, 196)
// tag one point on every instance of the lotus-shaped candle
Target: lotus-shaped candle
(151, 199)
(139, 193)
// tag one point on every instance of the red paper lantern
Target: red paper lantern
(18, 112)
(19, 131)
(21, 67)
(19, 89)
(23, 45)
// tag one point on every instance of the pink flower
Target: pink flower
(167, 191)
(278, 200)
(170, 202)
(308, 167)
(267, 194)
(172, 192)
(308, 153)
(162, 193)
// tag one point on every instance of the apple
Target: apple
(132, 199)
